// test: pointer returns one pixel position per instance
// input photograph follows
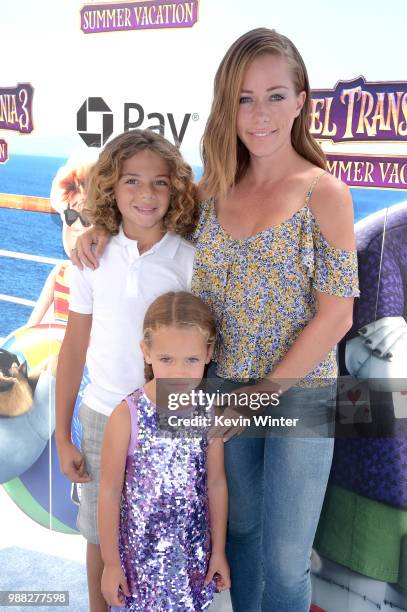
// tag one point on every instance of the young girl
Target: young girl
(142, 192)
(159, 556)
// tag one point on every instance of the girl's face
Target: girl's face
(143, 192)
(178, 353)
(268, 106)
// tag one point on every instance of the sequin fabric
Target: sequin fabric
(262, 290)
(164, 539)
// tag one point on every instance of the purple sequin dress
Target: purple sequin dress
(164, 537)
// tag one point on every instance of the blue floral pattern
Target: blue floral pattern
(261, 289)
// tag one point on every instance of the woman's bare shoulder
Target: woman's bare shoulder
(331, 204)
(330, 195)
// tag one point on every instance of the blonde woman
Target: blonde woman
(276, 262)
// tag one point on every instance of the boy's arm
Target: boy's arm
(71, 361)
(113, 463)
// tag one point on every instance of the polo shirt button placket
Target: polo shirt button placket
(132, 281)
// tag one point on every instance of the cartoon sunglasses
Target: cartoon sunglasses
(71, 215)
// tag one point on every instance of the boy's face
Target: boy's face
(143, 193)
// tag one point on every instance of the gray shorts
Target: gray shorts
(93, 425)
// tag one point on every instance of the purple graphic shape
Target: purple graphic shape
(360, 111)
(3, 151)
(388, 172)
(145, 15)
(16, 108)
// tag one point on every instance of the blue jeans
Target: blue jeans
(276, 486)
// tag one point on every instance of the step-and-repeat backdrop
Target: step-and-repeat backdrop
(73, 76)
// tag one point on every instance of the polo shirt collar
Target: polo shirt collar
(166, 247)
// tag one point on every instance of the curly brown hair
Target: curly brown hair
(101, 207)
(179, 309)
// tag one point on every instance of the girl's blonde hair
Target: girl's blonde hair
(177, 309)
(101, 206)
(224, 156)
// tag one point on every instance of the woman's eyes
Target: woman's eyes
(273, 98)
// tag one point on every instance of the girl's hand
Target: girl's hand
(113, 579)
(82, 254)
(219, 571)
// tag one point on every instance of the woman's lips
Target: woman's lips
(262, 133)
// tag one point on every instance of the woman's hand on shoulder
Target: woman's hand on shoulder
(83, 254)
(331, 204)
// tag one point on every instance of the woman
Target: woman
(276, 262)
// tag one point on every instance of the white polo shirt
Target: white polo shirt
(117, 295)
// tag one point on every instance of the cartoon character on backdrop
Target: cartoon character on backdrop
(23, 392)
(26, 475)
(364, 521)
(68, 198)
(379, 350)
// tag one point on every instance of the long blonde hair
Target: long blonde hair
(225, 157)
(177, 309)
(101, 206)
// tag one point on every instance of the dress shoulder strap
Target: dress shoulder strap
(132, 401)
(311, 189)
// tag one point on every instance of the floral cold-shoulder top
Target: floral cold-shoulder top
(261, 289)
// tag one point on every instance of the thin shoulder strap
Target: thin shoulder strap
(131, 402)
(311, 189)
